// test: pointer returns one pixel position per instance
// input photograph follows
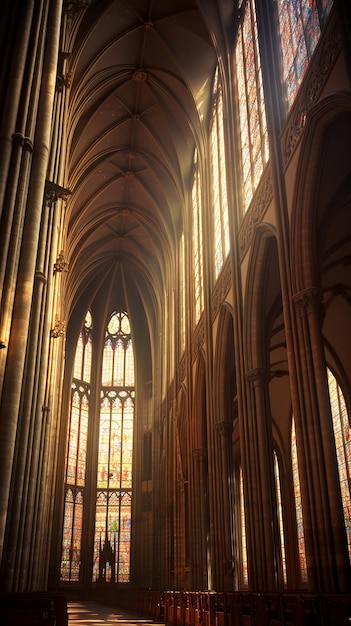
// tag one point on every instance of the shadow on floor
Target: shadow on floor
(93, 614)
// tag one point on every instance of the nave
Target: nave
(88, 613)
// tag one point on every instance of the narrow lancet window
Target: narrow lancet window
(218, 179)
(115, 452)
(252, 113)
(197, 240)
(298, 505)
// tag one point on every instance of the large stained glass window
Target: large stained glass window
(300, 26)
(342, 436)
(197, 240)
(115, 451)
(298, 505)
(107, 508)
(76, 456)
(252, 115)
(218, 179)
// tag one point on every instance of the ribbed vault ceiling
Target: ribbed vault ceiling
(141, 78)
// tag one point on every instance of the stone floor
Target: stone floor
(92, 614)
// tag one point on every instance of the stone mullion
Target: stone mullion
(325, 540)
(265, 519)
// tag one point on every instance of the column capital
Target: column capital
(223, 427)
(200, 454)
(308, 300)
(258, 376)
(59, 329)
(53, 192)
(61, 264)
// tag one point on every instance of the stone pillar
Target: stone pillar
(226, 512)
(326, 548)
(200, 576)
(264, 524)
(15, 365)
(12, 97)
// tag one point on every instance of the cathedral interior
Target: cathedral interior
(175, 306)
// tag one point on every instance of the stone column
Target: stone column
(200, 577)
(226, 512)
(326, 548)
(15, 365)
(12, 97)
(266, 539)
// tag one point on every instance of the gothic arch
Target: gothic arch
(225, 376)
(321, 229)
(261, 295)
(322, 182)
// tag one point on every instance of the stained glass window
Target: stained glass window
(298, 505)
(114, 470)
(244, 569)
(342, 436)
(280, 515)
(218, 179)
(300, 26)
(252, 115)
(197, 240)
(76, 455)
(110, 504)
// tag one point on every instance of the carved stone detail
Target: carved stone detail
(222, 287)
(59, 329)
(61, 264)
(256, 211)
(198, 338)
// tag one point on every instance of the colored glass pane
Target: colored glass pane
(298, 505)
(129, 365)
(280, 515)
(78, 361)
(252, 115)
(119, 362)
(197, 240)
(107, 362)
(72, 534)
(218, 180)
(244, 568)
(300, 26)
(182, 317)
(341, 427)
(87, 359)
